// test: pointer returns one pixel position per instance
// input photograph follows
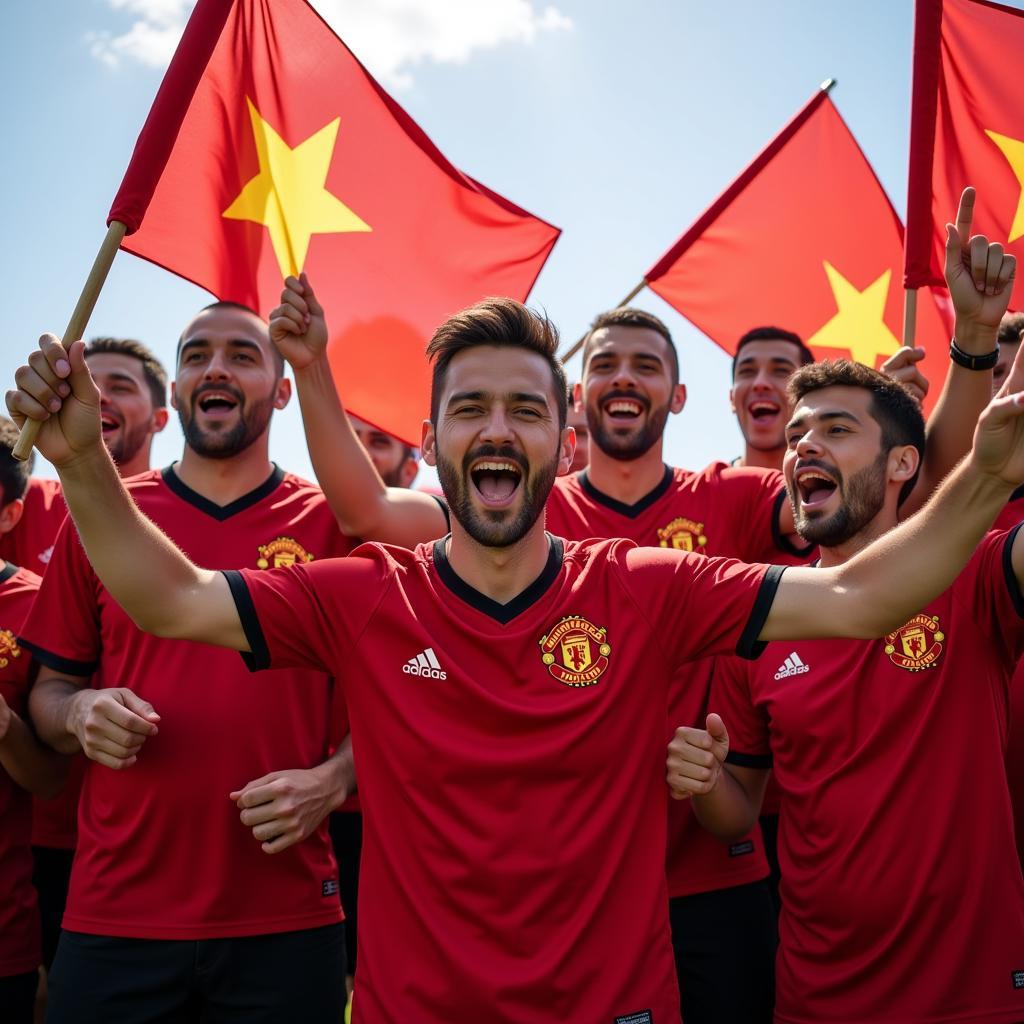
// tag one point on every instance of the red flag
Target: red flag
(804, 239)
(271, 150)
(966, 128)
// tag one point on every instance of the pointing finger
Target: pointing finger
(965, 213)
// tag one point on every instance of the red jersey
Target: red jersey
(902, 899)
(723, 510)
(19, 915)
(161, 851)
(30, 543)
(511, 758)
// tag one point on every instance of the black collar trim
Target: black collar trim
(1017, 494)
(7, 572)
(629, 511)
(502, 613)
(222, 512)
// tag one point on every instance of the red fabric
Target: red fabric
(902, 896)
(965, 75)
(161, 852)
(439, 240)
(30, 543)
(19, 916)
(514, 821)
(758, 255)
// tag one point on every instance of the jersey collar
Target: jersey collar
(7, 572)
(222, 512)
(502, 613)
(629, 511)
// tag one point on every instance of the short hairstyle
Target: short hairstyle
(504, 323)
(630, 316)
(1010, 329)
(14, 472)
(773, 334)
(241, 306)
(892, 405)
(152, 369)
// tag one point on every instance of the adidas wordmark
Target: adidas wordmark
(425, 664)
(792, 666)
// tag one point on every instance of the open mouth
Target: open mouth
(763, 411)
(814, 487)
(625, 409)
(496, 481)
(108, 423)
(217, 403)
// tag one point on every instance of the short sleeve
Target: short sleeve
(63, 628)
(755, 496)
(749, 736)
(699, 605)
(309, 616)
(996, 603)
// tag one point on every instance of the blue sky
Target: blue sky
(619, 122)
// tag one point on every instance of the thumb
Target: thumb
(315, 309)
(954, 250)
(83, 387)
(717, 731)
(141, 707)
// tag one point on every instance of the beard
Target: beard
(636, 443)
(224, 444)
(128, 445)
(496, 528)
(861, 499)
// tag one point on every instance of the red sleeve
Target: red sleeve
(699, 605)
(996, 603)
(754, 499)
(63, 629)
(746, 724)
(309, 616)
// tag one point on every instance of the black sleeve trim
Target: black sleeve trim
(781, 541)
(57, 663)
(749, 646)
(258, 656)
(748, 760)
(444, 511)
(1012, 584)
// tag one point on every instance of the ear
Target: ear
(428, 444)
(566, 450)
(282, 393)
(159, 420)
(10, 515)
(903, 462)
(174, 397)
(732, 400)
(577, 396)
(678, 398)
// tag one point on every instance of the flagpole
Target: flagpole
(625, 302)
(909, 316)
(79, 318)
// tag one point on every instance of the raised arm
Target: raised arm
(979, 276)
(363, 506)
(159, 588)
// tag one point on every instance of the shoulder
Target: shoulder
(145, 484)
(722, 473)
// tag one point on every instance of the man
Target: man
(869, 741)
(155, 921)
(518, 804)
(393, 460)
(26, 766)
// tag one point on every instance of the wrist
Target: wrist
(975, 339)
(316, 372)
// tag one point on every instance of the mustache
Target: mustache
(227, 389)
(629, 396)
(495, 452)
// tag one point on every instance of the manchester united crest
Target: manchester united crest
(9, 649)
(280, 552)
(917, 645)
(683, 535)
(576, 651)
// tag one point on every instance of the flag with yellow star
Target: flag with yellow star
(270, 150)
(807, 240)
(966, 128)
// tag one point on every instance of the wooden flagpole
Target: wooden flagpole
(625, 302)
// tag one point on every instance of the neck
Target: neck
(625, 481)
(223, 481)
(138, 463)
(881, 524)
(499, 573)
(763, 458)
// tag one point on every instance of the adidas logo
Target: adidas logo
(792, 666)
(425, 664)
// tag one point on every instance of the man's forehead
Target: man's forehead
(227, 324)
(496, 370)
(834, 402)
(620, 339)
(767, 349)
(106, 363)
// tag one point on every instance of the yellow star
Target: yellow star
(859, 323)
(288, 194)
(1013, 150)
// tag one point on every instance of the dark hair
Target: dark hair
(152, 369)
(1011, 327)
(629, 316)
(504, 323)
(892, 406)
(13, 472)
(227, 304)
(772, 334)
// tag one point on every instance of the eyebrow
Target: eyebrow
(777, 360)
(201, 342)
(824, 417)
(120, 375)
(516, 396)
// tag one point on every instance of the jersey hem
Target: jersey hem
(258, 655)
(717, 884)
(749, 646)
(11, 968)
(57, 662)
(1007, 1016)
(737, 757)
(126, 930)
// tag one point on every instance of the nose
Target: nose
(809, 444)
(624, 376)
(217, 367)
(497, 429)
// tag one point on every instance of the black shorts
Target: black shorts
(18, 997)
(51, 873)
(724, 943)
(347, 838)
(282, 978)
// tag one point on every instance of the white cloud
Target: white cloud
(391, 37)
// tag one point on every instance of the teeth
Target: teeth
(631, 407)
(496, 467)
(811, 475)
